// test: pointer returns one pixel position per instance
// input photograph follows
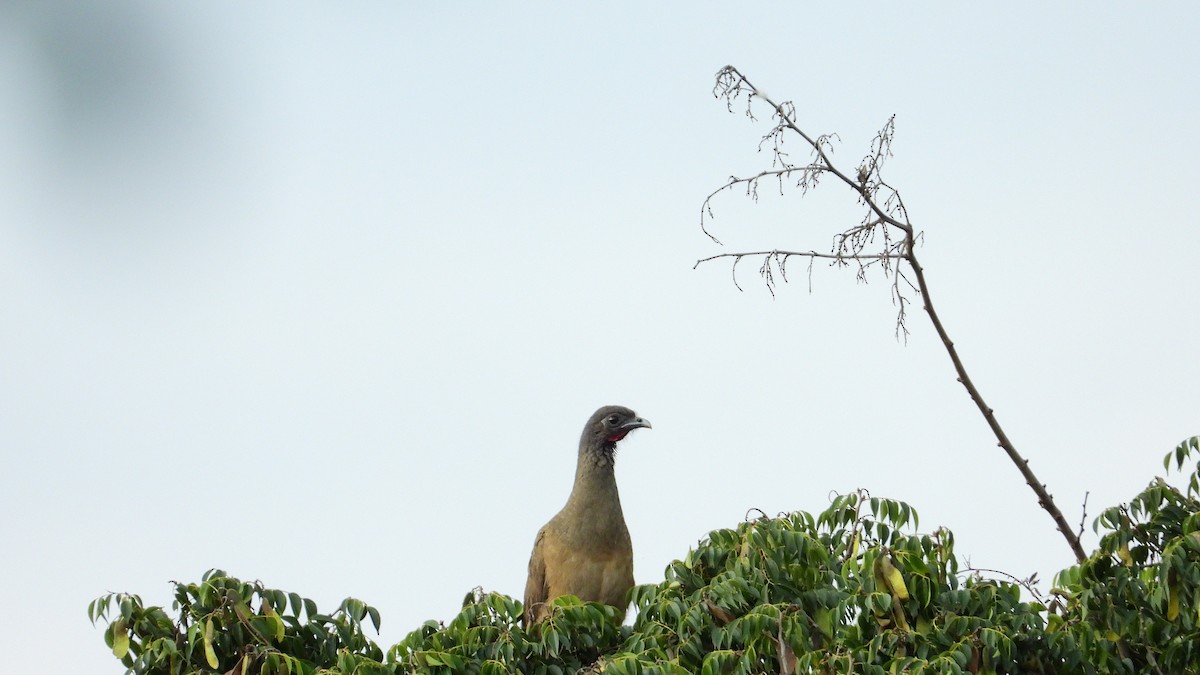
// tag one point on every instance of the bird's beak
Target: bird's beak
(634, 424)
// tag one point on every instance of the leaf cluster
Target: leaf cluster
(487, 638)
(224, 625)
(848, 591)
(1134, 605)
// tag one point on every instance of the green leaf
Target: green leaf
(126, 607)
(349, 606)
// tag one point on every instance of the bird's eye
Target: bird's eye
(612, 420)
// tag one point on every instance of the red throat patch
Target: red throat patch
(618, 436)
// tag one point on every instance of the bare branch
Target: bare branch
(885, 228)
(807, 179)
(806, 254)
(779, 260)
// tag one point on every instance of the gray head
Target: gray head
(609, 425)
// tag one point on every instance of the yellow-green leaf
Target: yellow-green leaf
(120, 642)
(1124, 555)
(276, 622)
(825, 621)
(923, 625)
(209, 654)
(892, 577)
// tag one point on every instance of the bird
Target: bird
(585, 549)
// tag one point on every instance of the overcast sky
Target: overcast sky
(322, 294)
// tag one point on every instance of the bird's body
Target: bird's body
(585, 549)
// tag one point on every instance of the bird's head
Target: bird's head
(610, 424)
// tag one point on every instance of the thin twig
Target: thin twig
(1083, 517)
(1029, 584)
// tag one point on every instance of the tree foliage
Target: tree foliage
(855, 589)
(223, 625)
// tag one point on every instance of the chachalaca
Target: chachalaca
(585, 550)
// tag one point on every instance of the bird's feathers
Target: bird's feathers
(585, 549)
(535, 587)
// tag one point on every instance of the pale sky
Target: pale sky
(322, 294)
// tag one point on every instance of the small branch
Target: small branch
(780, 259)
(1083, 517)
(806, 254)
(1027, 584)
(808, 174)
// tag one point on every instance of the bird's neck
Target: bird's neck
(595, 490)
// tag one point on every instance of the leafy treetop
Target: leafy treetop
(855, 589)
